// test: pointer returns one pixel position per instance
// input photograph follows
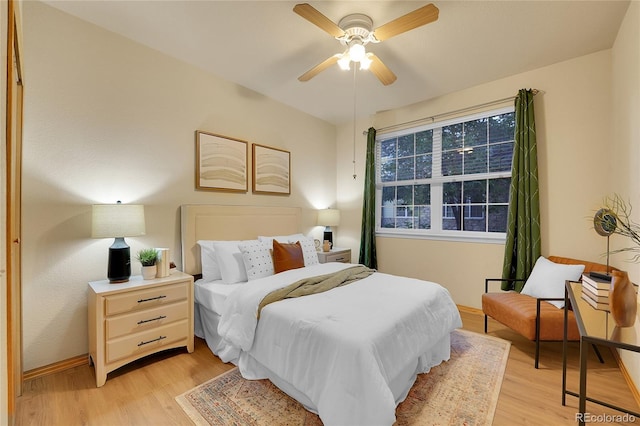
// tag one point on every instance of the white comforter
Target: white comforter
(343, 348)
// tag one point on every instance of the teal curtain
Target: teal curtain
(368, 230)
(522, 247)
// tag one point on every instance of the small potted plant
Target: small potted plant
(148, 257)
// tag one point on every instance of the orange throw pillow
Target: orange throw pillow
(287, 256)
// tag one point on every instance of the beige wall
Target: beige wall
(625, 140)
(109, 119)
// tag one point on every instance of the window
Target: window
(449, 179)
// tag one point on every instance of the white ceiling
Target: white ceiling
(265, 46)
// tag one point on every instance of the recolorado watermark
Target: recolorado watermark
(605, 418)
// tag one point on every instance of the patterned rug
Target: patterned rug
(461, 391)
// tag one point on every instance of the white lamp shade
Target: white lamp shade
(117, 220)
(329, 217)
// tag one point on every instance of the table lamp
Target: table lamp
(118, 221)
(328, 218)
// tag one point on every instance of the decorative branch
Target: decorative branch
(625, 225)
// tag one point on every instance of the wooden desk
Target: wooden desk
(596, 328)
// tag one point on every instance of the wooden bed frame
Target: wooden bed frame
(217, 222)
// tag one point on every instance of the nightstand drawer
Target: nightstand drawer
(339, 257)
(143, 299)
(146, 341)
(146, 319)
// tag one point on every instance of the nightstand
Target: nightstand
(335, 255)
(137, 318)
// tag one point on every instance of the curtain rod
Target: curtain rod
(444, 114)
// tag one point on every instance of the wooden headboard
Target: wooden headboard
(216, 222)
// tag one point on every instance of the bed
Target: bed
(350, 354)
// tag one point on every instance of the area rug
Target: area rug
(461, 391)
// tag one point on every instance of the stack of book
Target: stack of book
(595, 291)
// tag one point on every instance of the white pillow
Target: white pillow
(281, 239)
(230, 261)
(208, 261)
(257, 259)
(547, 279)
(308, 251)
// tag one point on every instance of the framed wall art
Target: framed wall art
(271, 170)
(221, 163)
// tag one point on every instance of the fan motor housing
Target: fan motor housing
(356, 25)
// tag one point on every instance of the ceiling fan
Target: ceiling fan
(355, 31)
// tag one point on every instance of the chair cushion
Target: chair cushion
(518, 312)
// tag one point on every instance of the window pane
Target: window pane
(388, 148)
(475, 218)
(423, 166)
(388, 170)
(388, 195)
(475, 161)
(405, 146)
(422, 194)
(403, 223)
(405, 168)
(502, 127)
(424, 142)
(500, 157)
(452, 137)
(475, 132)
(498, 218)
(451, 163)
(452, 192)
(405, 195)
(388, 208)
(452, 220)
(424, 217)
(475, 191)
(499, 190)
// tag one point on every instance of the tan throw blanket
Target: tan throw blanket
(318, 284)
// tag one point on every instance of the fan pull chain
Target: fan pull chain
(354, 122)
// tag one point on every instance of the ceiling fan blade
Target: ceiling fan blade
(380, 70)
(312, 15)
(411, 20)
(319, 68)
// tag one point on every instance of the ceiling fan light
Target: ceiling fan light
(343, 62)
(356, 52)
(365, 62)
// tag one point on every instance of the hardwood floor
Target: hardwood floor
(143, 393)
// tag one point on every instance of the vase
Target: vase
(149, 272)
(623, 302)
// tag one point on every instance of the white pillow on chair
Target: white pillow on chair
(548, 279)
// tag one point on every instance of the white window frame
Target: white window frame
(436, 184)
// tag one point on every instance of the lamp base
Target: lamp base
(119, 268)
(328, 235)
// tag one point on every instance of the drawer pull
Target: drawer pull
(339, 259)
(152, 319)
(150, 299)
(151, 341)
